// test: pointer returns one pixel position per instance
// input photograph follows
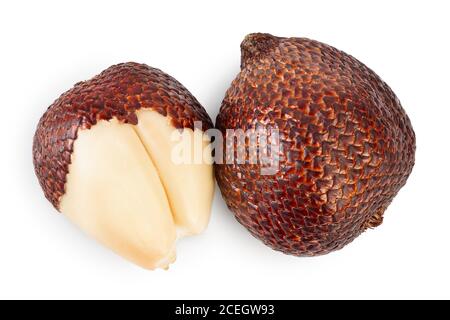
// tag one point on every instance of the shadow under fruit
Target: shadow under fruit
(347, 145)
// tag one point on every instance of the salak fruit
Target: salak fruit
(102, 154)
(346, 146)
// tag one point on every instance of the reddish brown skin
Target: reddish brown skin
(118, 92)
(348, 146)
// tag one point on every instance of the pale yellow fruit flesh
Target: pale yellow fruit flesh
(120, 191)
(189, 186)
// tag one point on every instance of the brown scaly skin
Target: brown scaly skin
(347, 145)
(117, 92)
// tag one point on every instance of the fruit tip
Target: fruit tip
(256, 45)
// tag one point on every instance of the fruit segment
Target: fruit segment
(114, 193)
(190, 185)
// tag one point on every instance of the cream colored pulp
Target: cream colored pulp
(124, 189)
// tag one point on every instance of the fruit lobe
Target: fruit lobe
(347, 145)
(114, 194)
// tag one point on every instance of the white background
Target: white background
(47, 46)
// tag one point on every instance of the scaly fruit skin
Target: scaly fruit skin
(118, 92)
(347, 145)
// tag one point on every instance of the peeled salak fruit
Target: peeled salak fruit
(345, 148)
(103, 155)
